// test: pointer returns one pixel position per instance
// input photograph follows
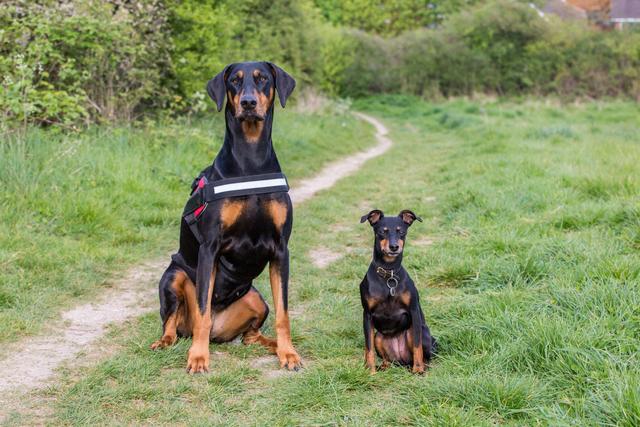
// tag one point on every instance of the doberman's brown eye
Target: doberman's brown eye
(235, 80)
(262, 79)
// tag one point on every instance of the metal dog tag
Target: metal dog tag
(392, 289)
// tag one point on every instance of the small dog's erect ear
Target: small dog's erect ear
(216, 87)
(284, 83)
(408, 217)
(373, 216)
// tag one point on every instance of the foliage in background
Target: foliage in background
(211, 34)
(499, 47)
(388, 17)
(64, 62)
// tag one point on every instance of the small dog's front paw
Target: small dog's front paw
(418, 368)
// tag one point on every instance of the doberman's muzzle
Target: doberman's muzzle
(248, 109)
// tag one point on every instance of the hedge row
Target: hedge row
(501, 47)
(68, 62)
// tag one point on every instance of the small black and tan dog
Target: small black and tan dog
(393, 320)
(237, 221)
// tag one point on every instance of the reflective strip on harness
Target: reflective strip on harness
(249, 185)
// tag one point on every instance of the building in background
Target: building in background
(565, 10)
(597, 11)
(603, 13)
(625, 12)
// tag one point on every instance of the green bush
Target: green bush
(64, 62)
(386, 17)
(68, 62)
(210, 34)
(596, 66)
(370, 66)
(501, 31)
(499, 47)
(436, 63)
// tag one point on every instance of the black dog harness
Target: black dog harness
(205, 192)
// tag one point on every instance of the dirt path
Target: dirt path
(33, 361)
(335, 171)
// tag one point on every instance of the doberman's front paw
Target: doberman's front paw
(418, 368)
(198, 360)
(165, 341)
(289, 359)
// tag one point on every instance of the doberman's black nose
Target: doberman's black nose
(248, 102)
(394, 248)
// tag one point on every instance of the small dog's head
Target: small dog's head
(250, 88)
(390, 232)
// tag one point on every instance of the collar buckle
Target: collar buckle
(385, 274)
(391, 278)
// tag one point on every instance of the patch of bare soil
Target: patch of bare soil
(321, 257)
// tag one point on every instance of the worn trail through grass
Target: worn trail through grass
(33, 361)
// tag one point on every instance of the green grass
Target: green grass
(531, 285)
(77, 209)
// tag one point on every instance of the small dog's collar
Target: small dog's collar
(391, 278)
(384, 273)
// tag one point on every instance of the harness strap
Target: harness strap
(208, 191)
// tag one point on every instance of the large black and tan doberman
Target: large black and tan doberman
(206, 292)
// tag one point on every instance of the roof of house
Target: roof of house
(590, 5)
(564, 10)
(625, 10)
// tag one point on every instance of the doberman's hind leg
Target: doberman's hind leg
(253, 334)
(244, 317)
(172, 307)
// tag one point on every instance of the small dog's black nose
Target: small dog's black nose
(248, 102)
(394, 248)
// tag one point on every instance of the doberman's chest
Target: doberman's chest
(252, 228)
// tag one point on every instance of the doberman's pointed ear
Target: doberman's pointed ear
(284, 83)
(408, 217)
(373, 216)
(216, 87)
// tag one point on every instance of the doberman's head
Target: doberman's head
(250, 89)
(390, 233)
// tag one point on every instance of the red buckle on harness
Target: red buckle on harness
(198, 211)
(201, 184)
